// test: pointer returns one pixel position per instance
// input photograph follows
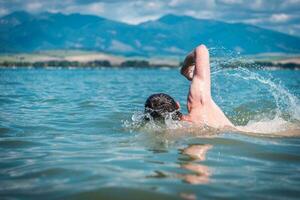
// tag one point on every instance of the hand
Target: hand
(188, 71)
(188, 67)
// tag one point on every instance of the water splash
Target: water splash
(281, 119)
(138, 122)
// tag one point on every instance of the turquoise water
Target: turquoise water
(75, 134)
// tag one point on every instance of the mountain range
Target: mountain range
(169, 35)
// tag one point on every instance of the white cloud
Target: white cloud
(3, 11)
(95, 8)
(232, 1)
(257, 4)
(279, 18)
(258, 12)
(34, 6)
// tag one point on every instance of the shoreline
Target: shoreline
(144, 64)
(85, 59)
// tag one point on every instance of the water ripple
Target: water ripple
(66, 134)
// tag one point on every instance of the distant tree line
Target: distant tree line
(96, 63)
(260, 64)
(57, 63)
(140, 63)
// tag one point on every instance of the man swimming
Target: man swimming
(202, 110)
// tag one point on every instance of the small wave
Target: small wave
(271, 128)
(124, 193)
(87, 104)
(17, 144)
(168, 128)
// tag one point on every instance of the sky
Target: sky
(280, 15)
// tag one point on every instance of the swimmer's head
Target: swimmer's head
(160, 106)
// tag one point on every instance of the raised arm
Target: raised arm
(200, 91)
(202, 109)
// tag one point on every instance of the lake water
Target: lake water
(76, 134)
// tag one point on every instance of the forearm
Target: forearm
(200, 86)
(202, 66)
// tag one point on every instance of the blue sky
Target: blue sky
(280, 15)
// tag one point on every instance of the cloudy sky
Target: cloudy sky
(281, 15)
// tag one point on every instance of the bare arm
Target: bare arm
(201, 107)
(200, 91)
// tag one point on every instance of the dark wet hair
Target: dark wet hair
(160, 105)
